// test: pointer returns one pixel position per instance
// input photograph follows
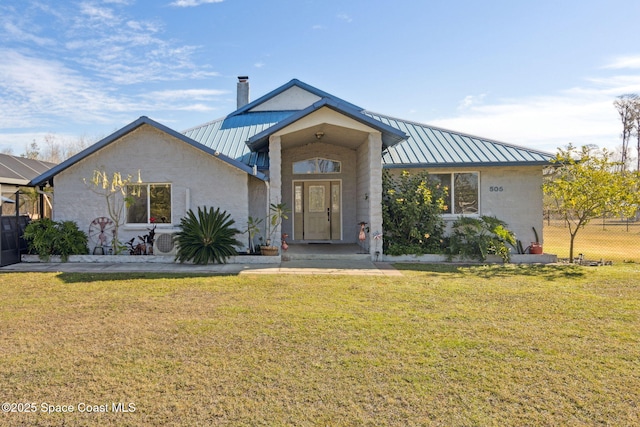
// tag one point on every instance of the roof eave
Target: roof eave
(463, 165)
(15, 181)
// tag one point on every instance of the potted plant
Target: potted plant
(253, 229)
(536, 247)
(277, 212)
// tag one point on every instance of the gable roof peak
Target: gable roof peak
(290, 84)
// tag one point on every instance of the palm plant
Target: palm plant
(207, 236)
(47, 237)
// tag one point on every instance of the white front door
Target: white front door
(317, 215)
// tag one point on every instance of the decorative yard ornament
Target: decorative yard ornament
(118, 192)
(362, 236)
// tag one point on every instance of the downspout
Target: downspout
(266, 183)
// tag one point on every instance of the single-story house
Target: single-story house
(320, 155)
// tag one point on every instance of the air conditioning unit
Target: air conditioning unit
(163, 244)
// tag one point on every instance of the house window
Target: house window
(317, 165)
(463, 195)
(151, 203)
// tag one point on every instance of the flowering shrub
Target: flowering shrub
(412, 208)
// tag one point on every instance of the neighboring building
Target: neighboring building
(18, 204)
(16, 173)
(317, 153)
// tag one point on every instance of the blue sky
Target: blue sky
(537, 73)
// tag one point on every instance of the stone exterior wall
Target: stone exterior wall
(196, 178)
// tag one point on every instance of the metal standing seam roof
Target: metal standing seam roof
(19, 170)
(230, 134)
(429, 146)
(426, 146)
(409, 144)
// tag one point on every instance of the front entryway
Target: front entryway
(317, 215)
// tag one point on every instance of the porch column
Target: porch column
(275, 175)
(375, 192)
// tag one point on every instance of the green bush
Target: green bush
(478, 237)
(207, 236)
(412, 207)
(46, 237)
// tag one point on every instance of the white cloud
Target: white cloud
(470, 101)
(580, 115)
(35, 89)
(129, 51)
(622, 62)
(344, 17)
(193, 3)
(259, 64)
(96, 13)
(196, 108)
(17, 33)
(189, 94)
(545, 122)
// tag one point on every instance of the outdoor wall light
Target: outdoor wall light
(319, 135)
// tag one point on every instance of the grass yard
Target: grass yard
(441, 345)
(612, 242)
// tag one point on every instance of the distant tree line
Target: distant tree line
(628, 107)
(52, 148)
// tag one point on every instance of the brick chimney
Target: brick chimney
(243, 91)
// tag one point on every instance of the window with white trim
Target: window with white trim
(463, 191)
(150, 204)
(317, 165)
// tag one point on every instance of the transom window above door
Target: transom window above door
(317, 165)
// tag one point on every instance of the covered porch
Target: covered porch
(326, 167)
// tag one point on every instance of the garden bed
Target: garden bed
(491, 259)
(168, 259)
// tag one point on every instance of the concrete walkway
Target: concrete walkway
(332, 267)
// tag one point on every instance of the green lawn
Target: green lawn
(441, 345)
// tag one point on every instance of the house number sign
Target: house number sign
(496, 189)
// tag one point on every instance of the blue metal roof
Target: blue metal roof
(231, 134)
(243, 135)
(239, 139)
(429, 146)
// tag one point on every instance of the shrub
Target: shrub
(477, 237)
(412, 207)
(207, 236)
(46, 237)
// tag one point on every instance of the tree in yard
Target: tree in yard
(586, 185)
(114, 188)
